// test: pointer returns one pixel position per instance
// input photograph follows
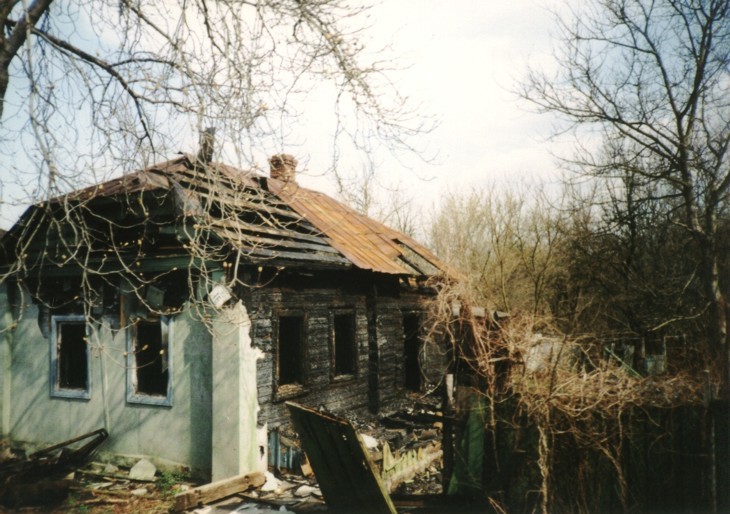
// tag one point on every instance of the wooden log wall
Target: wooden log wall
(317, 302)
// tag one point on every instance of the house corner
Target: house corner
(236, 438)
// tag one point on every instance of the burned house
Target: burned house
(180, 306)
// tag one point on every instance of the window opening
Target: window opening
(412, 350)
(70, 357)
(149, 369)
(291, 350)
(345, 344)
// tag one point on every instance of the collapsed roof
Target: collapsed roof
(146, 215)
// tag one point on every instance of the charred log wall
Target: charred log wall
(319, 386)
(317, 301)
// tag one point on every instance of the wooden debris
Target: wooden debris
(217, 490)
(406, 464)
(34, 479)
(123, 493)
(114, 476)
(305, 467)
(51, 461)
(105, 501)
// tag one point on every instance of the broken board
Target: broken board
(347, 477)
(217, 490)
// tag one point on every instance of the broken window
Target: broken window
(344, 344)
(148, 364)
(412, 346)
(69, 357)
(290, 350)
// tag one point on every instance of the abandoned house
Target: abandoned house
(180, 306)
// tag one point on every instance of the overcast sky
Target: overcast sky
(464, 60)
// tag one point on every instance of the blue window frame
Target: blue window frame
(70, 375)
(149, 362)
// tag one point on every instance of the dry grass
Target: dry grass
(562, 384)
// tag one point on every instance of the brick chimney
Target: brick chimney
(283, 167)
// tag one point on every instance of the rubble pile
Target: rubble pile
(403, 446)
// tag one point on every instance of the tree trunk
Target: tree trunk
(15, 33)
(4, 80)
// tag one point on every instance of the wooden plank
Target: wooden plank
(270, 255)
(236, 225)
(217, 490)
(347, 477)
(322, 247)
(237, 201)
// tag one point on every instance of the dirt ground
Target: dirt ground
(89, 491)
(97, 490)
(96, 495)
(106, 489)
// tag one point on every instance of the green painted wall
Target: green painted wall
(180, 434)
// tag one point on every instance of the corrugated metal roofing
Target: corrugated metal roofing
(367, 243)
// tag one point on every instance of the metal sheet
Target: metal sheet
(367, 243)
(347, 477)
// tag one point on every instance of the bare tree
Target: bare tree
(391, 204)
(628, 267)
(99, 86)
(648, 81)
(506, 243)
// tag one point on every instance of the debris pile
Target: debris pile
(408, 451)
(290, 491)
(43, 476)
(404, 445)
(402, 451)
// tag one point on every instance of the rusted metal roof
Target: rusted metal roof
(271, 221)
(367, 243)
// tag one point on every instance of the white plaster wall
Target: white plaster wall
(237, 443)
(177, 434)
